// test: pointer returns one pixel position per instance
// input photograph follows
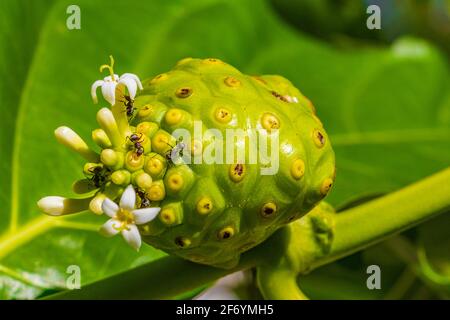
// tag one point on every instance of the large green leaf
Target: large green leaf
(20, 25)
(387, 111)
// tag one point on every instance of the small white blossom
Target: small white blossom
(52, 205)
(109, 84)
(124, 218)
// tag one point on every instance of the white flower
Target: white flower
(109, 84)
(125, 217)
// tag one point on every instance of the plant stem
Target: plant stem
(366, 224)
(355, 229)
(279, 284)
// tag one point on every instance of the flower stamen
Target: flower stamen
(110, 67)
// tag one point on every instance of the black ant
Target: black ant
(137, 141)
(145, 202)
(99, 176)
(129, 107)
(175, 151)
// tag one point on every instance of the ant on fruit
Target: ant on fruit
(175, 151)
(99, 176)
(129, 107)
(137, 142)
(145, 202)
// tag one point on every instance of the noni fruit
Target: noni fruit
(226, 157)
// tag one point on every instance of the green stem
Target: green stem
(355, 229)
(279, 284)
(372, 222)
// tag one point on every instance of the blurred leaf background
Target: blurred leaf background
(383, 96)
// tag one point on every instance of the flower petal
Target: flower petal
(110, 207)
(134, 77)
(132, 236)
(131, 86)
(110, 228)
(109, 92)
(52, 205)
(145, 215)
(128, 199)
(94, 87)
(110, 79)
(57, 206)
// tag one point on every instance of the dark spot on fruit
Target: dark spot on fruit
(279, 96)
(183, 92)
(319, 138)
(226, 233)
(268, 209)
(182, 242)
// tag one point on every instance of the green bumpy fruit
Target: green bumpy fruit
(211, 213)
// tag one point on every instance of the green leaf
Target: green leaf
(387, 112)
(20, 26)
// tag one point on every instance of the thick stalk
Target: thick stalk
(279, 285)
(366, 224)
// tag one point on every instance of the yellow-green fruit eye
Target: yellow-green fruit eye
(269, 209)
(154, 166)
(156, 192)
(326, 186)
(167, 216)
(223, 115)
(161, 142)
(319, 138)
(298, 169)
(270, 122)
(134, 161)
(145, 111)
(204, 205)
(146, 128)
(183, 92)
(182, 242)
(226, 233)
(232, 82)
(237, 172)
(173, 116)
(175, 182)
